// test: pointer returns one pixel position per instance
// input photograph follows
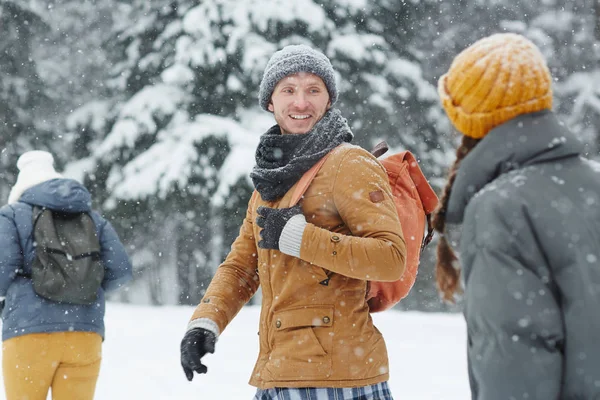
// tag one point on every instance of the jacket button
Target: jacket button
(326, 320)
(334, 253)
(278, 324)
(335, 238)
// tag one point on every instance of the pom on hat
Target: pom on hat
(35, 167)
(494, 80)
(35, 159)
(291, 60)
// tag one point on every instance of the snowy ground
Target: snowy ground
(141, 356)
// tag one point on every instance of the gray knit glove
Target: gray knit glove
(272, 220)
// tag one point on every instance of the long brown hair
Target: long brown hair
(447, 269)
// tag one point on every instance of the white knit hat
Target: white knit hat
(34, 167)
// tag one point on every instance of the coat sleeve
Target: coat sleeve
(11, 256)
(118, 270)
(514, 322)
(235, 281)
(376, 249)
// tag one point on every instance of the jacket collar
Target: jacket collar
(523, 141)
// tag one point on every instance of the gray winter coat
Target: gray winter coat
(25, 312)
(530, 251)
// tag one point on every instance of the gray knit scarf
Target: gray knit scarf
(281, 160)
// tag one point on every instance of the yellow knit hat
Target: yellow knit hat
(494, 80)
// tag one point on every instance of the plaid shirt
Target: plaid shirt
(379, 391)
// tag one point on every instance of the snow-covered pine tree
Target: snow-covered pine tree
(73, 62)
(390, 93)
(25, 103)
(563, 29)
(158, 161)
(575, 63)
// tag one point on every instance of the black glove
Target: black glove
(195, 344)
(272, 220)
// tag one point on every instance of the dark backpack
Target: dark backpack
(67, 267)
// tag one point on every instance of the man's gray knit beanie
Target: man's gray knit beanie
(293, 59)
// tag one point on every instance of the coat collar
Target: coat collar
(523, 141)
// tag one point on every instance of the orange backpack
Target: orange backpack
(415, 201)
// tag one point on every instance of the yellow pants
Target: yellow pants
(67, 362)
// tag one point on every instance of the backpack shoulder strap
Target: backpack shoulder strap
(306, 180)
(308, 177)
(36, 212)
(253, 200)
(380, 149)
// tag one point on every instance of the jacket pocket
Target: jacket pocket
(301, 341)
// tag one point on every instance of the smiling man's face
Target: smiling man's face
(298, 102)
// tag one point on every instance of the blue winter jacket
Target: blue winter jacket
(25, 312)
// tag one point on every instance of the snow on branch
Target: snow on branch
(140, 114)
(170, 162)
(402, 69)
(359, 47)
(93, 114)
(585, 88)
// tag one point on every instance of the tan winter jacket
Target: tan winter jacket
(315, 327)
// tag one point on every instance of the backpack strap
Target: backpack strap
(380, 149)
(308, 177)
(306, 180)
(36, 212)
(302, 185)
(427, 239)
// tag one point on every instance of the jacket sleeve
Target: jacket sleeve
(118, 270)
(235, 281)
(376, 249)
(514, 322)
(11, 256)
